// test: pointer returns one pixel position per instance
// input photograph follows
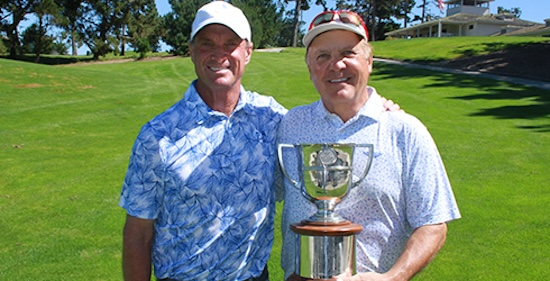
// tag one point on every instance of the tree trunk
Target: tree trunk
(73, 41)
(406, 14)
(13, 35)
(41, 32)
(14, 40)
(423, 11)
(122, 41)
(296, 23)
(374, 21)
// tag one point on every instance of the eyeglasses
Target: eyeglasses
(346, 17)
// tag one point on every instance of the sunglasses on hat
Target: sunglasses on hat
(346, 17)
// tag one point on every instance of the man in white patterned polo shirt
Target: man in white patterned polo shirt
(406, 200)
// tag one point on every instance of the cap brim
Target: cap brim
(314, 32)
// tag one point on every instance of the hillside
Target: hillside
(526, 57)
(527, 61)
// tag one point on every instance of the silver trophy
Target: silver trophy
(325, 243)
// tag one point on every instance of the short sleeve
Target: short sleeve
(143, 185)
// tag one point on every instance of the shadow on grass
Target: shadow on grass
(62, 60)
(470, 51)
(492, 90)
(488, 47)
(526, 60)
(51, 60)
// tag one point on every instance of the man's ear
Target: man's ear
(249, 52)
(370, 61)
(190, 47)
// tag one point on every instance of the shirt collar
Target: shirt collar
(193, 101)
(374, 105)
(371, 109)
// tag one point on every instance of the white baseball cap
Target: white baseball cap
(331, 20)
(221, 12)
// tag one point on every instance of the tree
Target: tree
(423, 7)
(143, 26)
(516, 12)
(378, 15)
(67, 19)
(59, 47)
(266, 21)
(42, 9)
(3, 48)
(404, 8)
(285, 38)
(426, 14)
(30, 44)
(17, 10)
(48, 44)
(178, 24)
(301, 5)
(97, 24)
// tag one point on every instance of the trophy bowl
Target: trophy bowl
(325, 172)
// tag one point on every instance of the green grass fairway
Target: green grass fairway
(436, 49)
(66, 133)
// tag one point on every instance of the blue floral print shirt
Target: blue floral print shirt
(208, 182)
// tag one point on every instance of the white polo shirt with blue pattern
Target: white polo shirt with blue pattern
(407, 186)
(208, 182)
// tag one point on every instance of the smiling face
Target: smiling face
(220, 57)
(339, 64)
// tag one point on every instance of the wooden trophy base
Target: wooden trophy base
(345, 228)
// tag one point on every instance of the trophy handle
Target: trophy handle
(280, 148)
(370, 149)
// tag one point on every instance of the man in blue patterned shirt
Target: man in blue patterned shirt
(199, 189)
(406, 199)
